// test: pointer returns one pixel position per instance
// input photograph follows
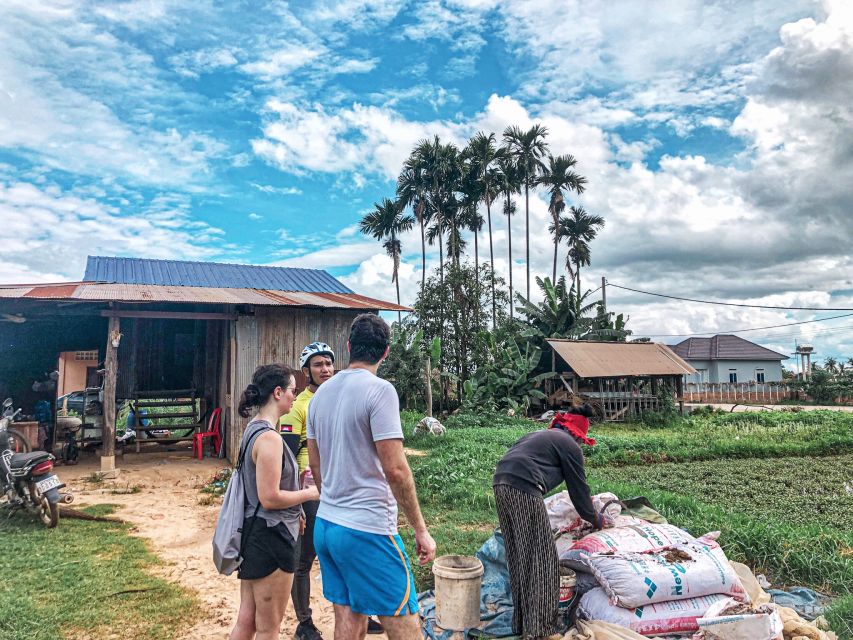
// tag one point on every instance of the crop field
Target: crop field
(778, 485)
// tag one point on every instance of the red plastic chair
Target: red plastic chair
(212, 432)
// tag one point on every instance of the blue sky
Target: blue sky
(716, 137)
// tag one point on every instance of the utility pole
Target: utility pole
(604, 294)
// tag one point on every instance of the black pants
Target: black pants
(301, 592)
(534, 567)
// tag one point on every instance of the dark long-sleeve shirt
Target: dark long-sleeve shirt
(541, 461)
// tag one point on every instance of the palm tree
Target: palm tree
(559, 177)
(453, 219)
(527, 147)
(440, 163)
(412, 189)
(831, 365)
(425, 158)
(386, 222)
(579, 228)
(508, 178)
(471, 219)
(483, 155)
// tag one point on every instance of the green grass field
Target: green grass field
(84, 579)
(778, 486)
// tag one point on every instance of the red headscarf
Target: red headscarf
(575, 424)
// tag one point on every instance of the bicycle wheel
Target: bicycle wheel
(17, 442)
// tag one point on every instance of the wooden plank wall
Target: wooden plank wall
(274, 334)
(283, 335)
(143, 360)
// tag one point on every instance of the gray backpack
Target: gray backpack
(228, 537)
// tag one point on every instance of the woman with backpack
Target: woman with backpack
(273, 512)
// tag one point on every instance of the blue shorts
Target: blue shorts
(367, 572)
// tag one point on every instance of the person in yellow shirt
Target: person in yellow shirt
(318, 364)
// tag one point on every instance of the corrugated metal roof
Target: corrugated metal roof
(52, 291)
(609, 359)
(724, 347)
(102, 292)
(181, 273)
(151, 293)
(15, 291)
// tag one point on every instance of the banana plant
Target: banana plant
(508, 380)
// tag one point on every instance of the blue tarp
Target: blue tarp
(807, 603)
(495, 598)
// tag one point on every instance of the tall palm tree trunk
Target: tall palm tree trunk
(396, 277)
(527, 230)
(399, 313)
(423, 255)
(477, 265)
(556, 244)
(509, 239)
(491, 261)
(440, 251)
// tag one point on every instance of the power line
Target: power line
(820, 332)
(774, 326)
(730, 304)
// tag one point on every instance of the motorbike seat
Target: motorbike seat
(21, 460)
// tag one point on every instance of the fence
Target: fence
(737, 392)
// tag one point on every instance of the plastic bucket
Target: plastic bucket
(568, 581)
(457, 592)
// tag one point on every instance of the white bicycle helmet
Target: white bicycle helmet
(315, 349)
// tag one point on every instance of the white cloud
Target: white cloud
(282, 191)
(49, 232)
(240, 160)
(283, 61)
(63, 82)
(136, 13)
(356, 14)
(341, 255)
(373, 278)
(193, 64)
(255, 216)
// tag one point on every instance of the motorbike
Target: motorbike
(27, 480)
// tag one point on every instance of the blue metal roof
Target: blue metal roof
(182, 273)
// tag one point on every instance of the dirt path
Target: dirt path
(167, 513)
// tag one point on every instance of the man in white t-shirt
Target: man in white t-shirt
(355, 450)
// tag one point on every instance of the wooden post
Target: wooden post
(108, 444)
(629, 387)
(679, 390)
(429, 386)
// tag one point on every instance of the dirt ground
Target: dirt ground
(166, 512)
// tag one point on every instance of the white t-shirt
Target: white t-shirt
(347, 416)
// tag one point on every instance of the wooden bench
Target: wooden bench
(177, 410)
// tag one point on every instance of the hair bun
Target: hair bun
(253, 390)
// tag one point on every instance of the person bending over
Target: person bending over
(535, 465)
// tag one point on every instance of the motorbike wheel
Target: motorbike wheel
(48, 512)
(17, 442)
